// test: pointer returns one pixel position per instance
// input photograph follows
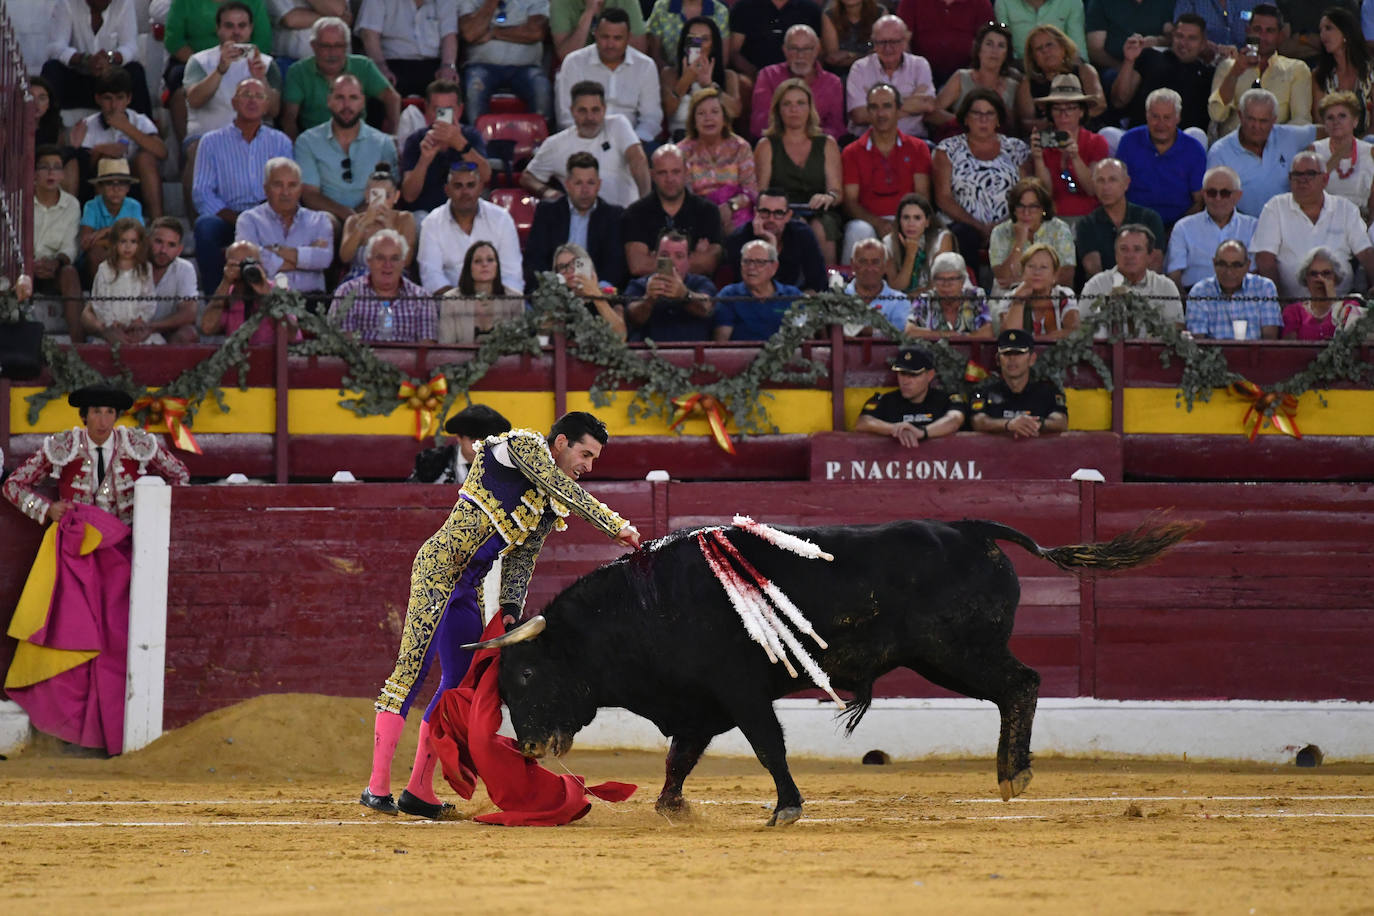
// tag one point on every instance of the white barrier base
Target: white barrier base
(14, 727)
(1262, 731)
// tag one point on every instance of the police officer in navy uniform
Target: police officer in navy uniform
(1015, 404)
(916, 411)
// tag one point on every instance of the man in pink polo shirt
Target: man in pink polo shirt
(802, 50)
(880, 168)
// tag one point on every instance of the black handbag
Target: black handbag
(21, 349)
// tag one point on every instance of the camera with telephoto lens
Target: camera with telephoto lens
(251, 272)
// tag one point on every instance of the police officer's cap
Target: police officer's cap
(1015, 340)
(100, 396)
(912, 359)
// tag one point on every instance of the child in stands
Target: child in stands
(122, 299)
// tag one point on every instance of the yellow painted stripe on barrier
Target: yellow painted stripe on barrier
(317, 412)
(1157, 410)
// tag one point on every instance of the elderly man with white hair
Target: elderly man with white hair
(1194, 241)
(753, 308)
(891, 62)
(1260, 150)
(382, 304)
(1166, 165)
(1308, 217)
(296, 242)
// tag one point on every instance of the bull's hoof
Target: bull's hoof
(675, 806)
(1016, 785)
(784, 816)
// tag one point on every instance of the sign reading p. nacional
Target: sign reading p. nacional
(963, 456)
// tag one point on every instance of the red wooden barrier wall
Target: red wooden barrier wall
(302, 588)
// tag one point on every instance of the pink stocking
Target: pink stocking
(386, 732)
(422, 775)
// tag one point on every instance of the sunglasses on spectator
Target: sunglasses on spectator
(562, 266)
(1223, 193)
(347, 166)
(1069, 181)
(463, 165)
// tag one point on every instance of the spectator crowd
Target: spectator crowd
(971, 167)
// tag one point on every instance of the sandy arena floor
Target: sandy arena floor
(253, 809)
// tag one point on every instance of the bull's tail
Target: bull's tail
(1132, 548)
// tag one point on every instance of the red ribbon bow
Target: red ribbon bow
(424, 400)
(715, 416)
(1267, 407)
(169, 412)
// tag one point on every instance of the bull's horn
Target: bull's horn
(527, 630)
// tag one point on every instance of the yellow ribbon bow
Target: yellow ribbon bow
(424, 400)
(170, 412)
(715, 416)
(1279, 409)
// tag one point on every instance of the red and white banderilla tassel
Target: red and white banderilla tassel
(789, 542)
(750, 593)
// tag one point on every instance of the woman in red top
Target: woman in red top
(1065, 162)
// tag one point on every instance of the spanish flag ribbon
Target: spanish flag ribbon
(715, 416)
(171, 412)
(974, 373)
(424, 400)
(1279, 409)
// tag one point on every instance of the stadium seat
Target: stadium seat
(511, 138)
(506, 103)
(520, 205)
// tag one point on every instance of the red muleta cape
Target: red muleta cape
(463, 735)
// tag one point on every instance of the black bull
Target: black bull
(654, 633)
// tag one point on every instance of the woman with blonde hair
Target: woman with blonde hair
(1050, 53)
(720, 163)
(1039, 303)
(796, 156)
(574, 266)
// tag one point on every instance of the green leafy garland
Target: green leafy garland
(655, 381)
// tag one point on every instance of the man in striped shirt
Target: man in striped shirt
(229, 176)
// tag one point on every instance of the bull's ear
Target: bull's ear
(527, 630)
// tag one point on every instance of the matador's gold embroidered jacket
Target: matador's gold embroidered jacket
(514, 480)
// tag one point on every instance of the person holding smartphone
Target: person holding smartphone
(379, 212)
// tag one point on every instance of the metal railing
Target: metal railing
(16, 156)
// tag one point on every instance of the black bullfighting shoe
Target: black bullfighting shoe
(421, 808)
(383, 804)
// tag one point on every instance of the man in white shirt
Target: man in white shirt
(1134, 245)
(56, 216)
(174, 280)
(1292, 224)
(448, 232)
(212, 77)
(620, 157)
(411, 42)
(87, 38)
(628, 76)
(503, 47)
